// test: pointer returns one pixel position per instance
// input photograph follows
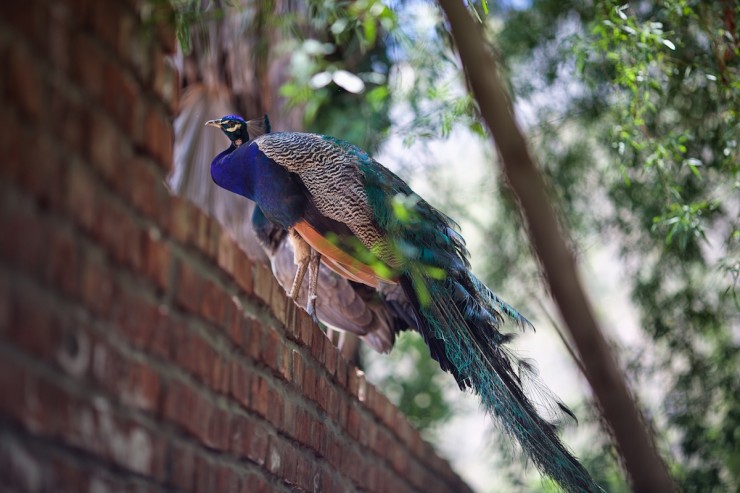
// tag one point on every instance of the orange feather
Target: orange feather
(340, 261)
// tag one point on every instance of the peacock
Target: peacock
(341, 208)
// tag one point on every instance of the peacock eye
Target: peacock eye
(233, 128)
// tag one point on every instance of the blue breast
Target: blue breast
(248, 172)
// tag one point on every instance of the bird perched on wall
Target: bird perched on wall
(341, 208)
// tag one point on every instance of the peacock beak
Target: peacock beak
(214, 123)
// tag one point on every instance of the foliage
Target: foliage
(658, 83)
(340, 67)
(413, 381)
(353, 62)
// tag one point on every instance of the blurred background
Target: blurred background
(632, 112)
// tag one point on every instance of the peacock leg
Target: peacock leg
(313, 281)
(301, 257)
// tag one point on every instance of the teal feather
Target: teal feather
(462, 322)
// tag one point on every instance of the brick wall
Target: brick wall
(140, 350)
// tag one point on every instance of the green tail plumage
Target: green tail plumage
(461, 326)
(460, 320)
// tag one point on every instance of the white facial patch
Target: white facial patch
(233, 128)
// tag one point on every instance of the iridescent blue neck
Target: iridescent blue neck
(246, 171)
(233, 174)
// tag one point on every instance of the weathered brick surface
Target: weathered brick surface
(140, 349)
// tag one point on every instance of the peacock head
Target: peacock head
(235, 128)
(240, 131)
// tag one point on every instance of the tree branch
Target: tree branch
(645, 467)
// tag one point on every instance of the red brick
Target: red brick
(201, 233)
(135, 317)
(319, 344)
(318, 437)
(352, 465)
(270, 349)
(189, 288)
(80, 11)
(285, 362)
(342, 371)
(227, 480)
(240, 383)
(182, 219)
(158, 138)
(11, 146)
(253, 483)
(25, 85)
(160, 342)
(275, 408)
(141, 387)
(331, 354)
(182, 466)
(288, 424)
(309, 383)
(88, 64)
(105, 149)
(8, 303)
(72, 133)
(277, 457)
(263, 281)
(121, 98)
(146, 191)
(97, 287)
(31, 328)
(400, 461)
(253, 343)
(225, 252)
(235, 327)
(157, 258)
(343, 407)
(59, 33)
(259, 395)
(105, 17)
(297, 364)
(307, 328)
(205, 476)
(63, 267)
(217, 434)
(334, 452)
(198, 357)
(44, 176)
(243, 272)
(23, 17)
(292, 325)
(303, 423)
(330, 402)
(279, 302)
(121, 236)
(221, 374)
(213, 301)
(304, 472)
(354, 421)
(23, 240)
(256, 440)
(81, 197)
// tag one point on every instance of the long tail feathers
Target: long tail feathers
(461, 326)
